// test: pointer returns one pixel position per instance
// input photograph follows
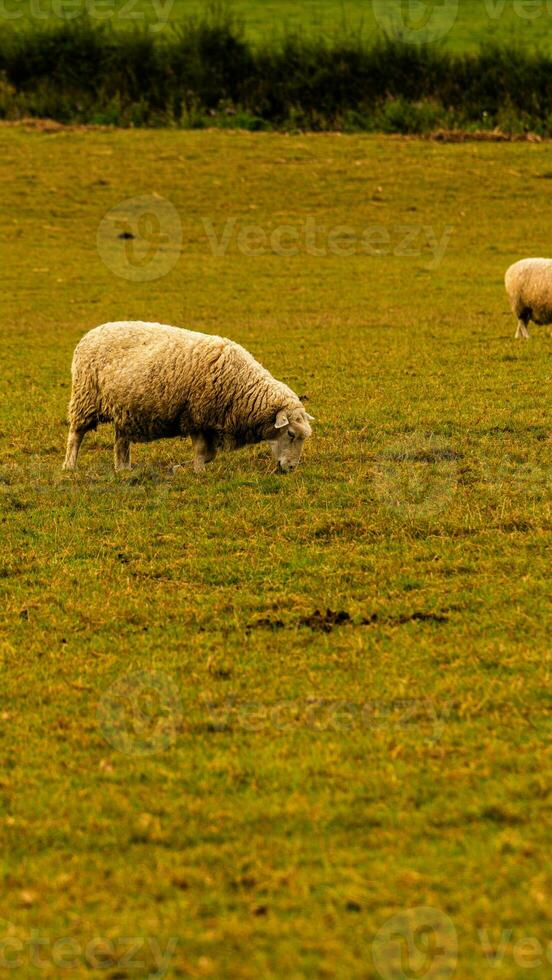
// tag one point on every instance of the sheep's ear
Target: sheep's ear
(311, 418)
(281, 419)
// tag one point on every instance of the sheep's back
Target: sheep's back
(529, 282)
(144, 374)
(529, 288)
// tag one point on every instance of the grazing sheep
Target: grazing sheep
(529, 287)
(156, 382)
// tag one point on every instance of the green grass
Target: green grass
(506, 21)
(312, 778)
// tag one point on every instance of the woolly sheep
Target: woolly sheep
(154, 381)
(529, 287)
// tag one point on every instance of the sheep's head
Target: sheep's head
(291, 428)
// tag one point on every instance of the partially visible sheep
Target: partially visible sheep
(529, 287)
(156, 382)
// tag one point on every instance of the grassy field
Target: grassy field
(248, 720)
(467, 23)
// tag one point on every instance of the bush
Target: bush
(206, 73)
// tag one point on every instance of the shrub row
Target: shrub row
(205, 72)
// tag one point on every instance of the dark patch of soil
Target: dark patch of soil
(325, 622)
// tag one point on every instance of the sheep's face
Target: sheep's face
(291, 428)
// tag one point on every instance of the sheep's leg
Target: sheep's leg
(121, 452)
(74, 440)
(205, 450)
(524, 315)
(522, 332)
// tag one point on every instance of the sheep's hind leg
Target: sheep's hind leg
(74, 440)
(121, 452)
(522, 332)
(205, 450)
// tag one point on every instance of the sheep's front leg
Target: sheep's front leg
(522, 332)
(121, 452)
(74, 440)
(205, 450)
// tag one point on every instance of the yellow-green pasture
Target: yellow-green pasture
(249, 720)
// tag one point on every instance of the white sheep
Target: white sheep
(154, 381)
(529, 287)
